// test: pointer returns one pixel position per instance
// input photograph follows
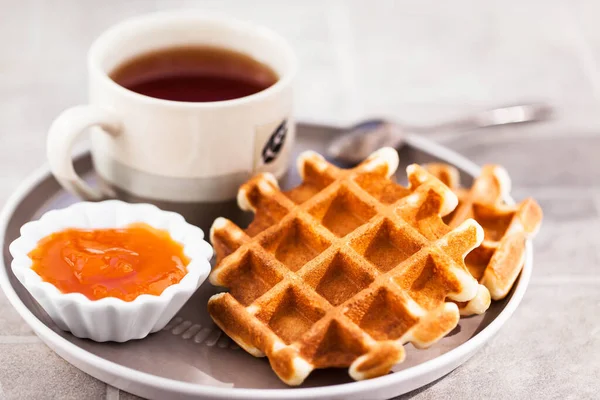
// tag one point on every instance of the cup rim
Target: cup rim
(108, 37)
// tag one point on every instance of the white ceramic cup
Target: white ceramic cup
(176, 152)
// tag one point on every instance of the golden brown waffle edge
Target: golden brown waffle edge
(497, 262)
(344, 269)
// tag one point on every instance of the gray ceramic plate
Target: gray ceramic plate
(191, 358)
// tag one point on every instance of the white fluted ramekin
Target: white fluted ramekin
(110, 318)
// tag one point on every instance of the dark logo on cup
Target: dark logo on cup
(275, 143)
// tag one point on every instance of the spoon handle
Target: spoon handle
(366, 137)
(499, 116)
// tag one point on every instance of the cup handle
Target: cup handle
(65, 129)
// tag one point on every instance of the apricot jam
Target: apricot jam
(122, 263)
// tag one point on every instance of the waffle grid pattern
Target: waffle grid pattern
(496, 263)
(343, 270)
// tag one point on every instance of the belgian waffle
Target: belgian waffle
(344, 269)
(496, 263)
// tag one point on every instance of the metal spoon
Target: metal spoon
(366, 137)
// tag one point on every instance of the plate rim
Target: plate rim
(110, 368)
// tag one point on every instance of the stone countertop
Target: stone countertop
(418, 62)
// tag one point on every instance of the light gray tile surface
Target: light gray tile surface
(459, 53)
(569, 242)
(10, 322)
(540, 353)
(569, 161)
(128, 396)
(33, 371)
(418, 62)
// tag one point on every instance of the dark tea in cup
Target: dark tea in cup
(194, 74)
